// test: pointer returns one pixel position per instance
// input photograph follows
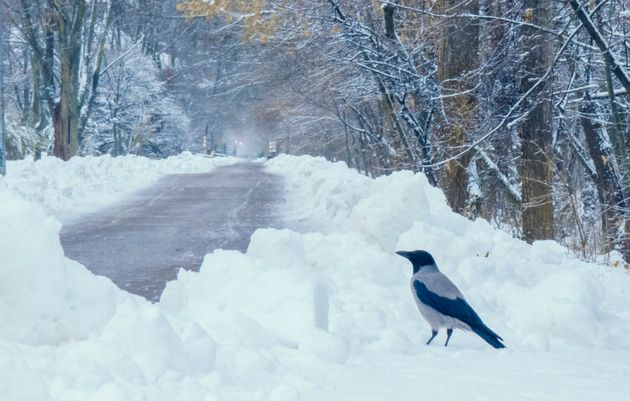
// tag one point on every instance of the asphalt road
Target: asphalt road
(141, 243)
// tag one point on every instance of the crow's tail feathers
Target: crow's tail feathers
(488, 335)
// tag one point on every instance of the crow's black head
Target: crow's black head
(418, 259)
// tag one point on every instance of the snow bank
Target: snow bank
(44, 297)
(83, 184)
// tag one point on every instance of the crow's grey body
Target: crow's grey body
(437, 283)
(441, 303)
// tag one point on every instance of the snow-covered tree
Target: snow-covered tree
(133, 113)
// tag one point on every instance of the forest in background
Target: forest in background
(516, 109)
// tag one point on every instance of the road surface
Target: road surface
(141, 243)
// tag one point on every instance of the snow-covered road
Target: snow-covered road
(142, 242)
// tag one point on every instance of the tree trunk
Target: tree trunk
(66, 111)
(60, 148)
(117, 151)
(458, 55)
(535, 131)
(208, 140)
(390, 30)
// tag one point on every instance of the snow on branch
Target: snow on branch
(597, 37)
(512, 191)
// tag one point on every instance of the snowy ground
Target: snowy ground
(322, 315)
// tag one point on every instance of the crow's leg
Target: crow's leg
(433, 334)
(448, 336)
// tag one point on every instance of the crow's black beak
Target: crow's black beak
(404, 254)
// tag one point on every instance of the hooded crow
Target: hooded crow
(441, 303)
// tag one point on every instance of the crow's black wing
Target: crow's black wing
(457, 308)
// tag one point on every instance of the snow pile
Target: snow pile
(317, 315)
(298, 291)
(44, 297)
(539, 293)
(88, 183)
(333, 198)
